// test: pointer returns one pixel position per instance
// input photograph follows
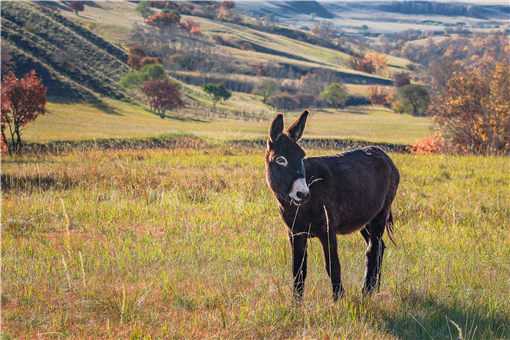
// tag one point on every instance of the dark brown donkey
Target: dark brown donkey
(324, 196)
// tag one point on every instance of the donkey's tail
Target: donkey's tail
(389, 227)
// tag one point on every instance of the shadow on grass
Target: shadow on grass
(426, 318)
(186, 119)
(31, 183)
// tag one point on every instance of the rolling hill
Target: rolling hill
(73, 62)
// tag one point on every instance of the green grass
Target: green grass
(123, 120)
(183, 243)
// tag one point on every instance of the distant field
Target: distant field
(122, 120)
(188, 244)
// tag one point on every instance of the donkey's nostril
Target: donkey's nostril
(301, 195)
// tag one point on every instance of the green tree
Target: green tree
(335, 94)
(413, 99)
(267, 88)
(217, 93)
(144, 9)
(135, 79)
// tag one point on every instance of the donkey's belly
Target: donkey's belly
(342, 230)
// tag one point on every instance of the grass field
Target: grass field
(188, 244)
(123, 120)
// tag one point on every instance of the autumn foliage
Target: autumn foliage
(225, 10)
(379, 95)
(23, 100)
(429, 145)
(191, 26)
(474, 109)
(162, 95)
(163, 19)
(370, 63)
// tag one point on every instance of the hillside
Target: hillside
(73, 62)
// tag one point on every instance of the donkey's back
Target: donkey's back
(354, 186)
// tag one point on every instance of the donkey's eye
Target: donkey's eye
(280, 160)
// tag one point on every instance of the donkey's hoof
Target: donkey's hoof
(338, 294)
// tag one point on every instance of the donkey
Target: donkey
(324, 196)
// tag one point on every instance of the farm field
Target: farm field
(188, 243)
(123, 120)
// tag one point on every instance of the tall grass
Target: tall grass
(184, 243)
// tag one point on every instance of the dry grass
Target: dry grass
(184, 243)
(123, 120)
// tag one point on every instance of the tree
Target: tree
(379, 95)
(401, 79)
(23, 100)
(162, 95)
(144, 8)
(135, 79)
(225, 10)
(474, 110)
(6, 59)
(77, 6)
(217, 93)
(135, 56)
(360, 63)
(335, 94)
(266, 89)
(164, 20)
(413, 99)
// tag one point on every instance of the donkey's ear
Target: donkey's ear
(295, 131)
(276, 128)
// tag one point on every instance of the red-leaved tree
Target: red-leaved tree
(162, 95)
(164, 20)
(22, 101)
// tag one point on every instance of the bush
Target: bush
(401, 79)
(135, 79)
(413, 99)
(379, 96)
(335, 94)
(429, 145)
(283, 101)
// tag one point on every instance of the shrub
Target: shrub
(144, 8)
(150, 60)
(164, 19)
(360, 63)
(413, 99)
(429, 145)
(401, 79)
(135, 79)
(335, 94)
(266, 89)
(283, 101)
(379, 95)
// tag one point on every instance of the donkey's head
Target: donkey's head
(285, 170)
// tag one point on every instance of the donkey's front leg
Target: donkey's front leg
(299, 258)
(329, 245)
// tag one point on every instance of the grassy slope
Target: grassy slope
(81, 121)
(182, 243)
(106, 21)
(73, 54)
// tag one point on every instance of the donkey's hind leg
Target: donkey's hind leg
(375, 251)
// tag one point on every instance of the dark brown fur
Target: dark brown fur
(349, 192)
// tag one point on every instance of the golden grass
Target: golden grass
(188, 244)
(123, 120)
